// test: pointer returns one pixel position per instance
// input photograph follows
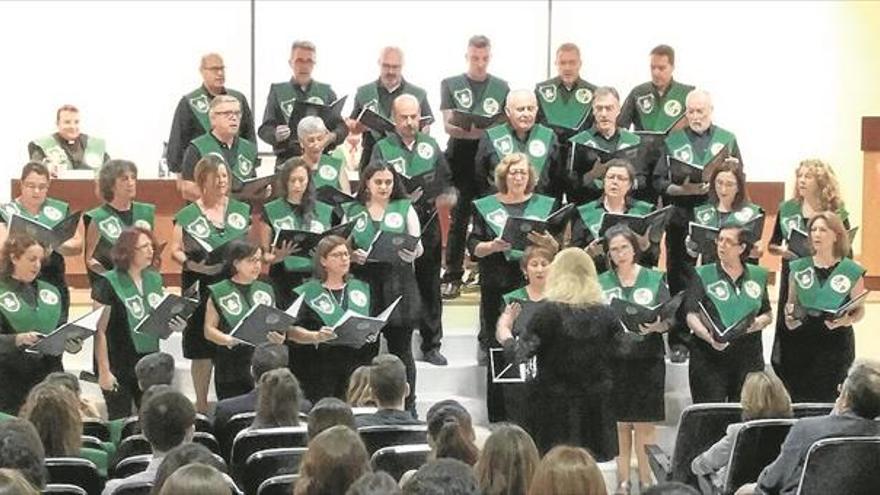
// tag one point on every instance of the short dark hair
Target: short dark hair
(336, 458)
(238, 249)
(267, 357)
(388, 379)
(378, 483)
(111, 171)
(154, 369)
(329, 412)
(363, 193)
(479, 41)
(123, 250)
(671, 488)
(664, 51)
(21, 449)
(67, 107)
(166, 418)
(35, 168)
(443, 477)
(182, 455)
(862, 387)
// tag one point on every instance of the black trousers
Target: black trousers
(460, 154)
(677, 265)
(491, 306)
(127, 394)
(399, 339)
(19, 373)
(427, 267)
(718, 376)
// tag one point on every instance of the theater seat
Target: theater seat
(278, 485)
(377, 437)
(132, 426)
(135, 488)
(249, 441)
(266, 464)
(131, 465)
(208, 440)
(227, 433)
(75, 471)
(849, 465)
(399, 459)
(132, 446)
(809, 409)
(96, 428)
(63, 489)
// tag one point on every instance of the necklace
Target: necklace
(339, 300)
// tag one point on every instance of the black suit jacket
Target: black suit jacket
(386, 417)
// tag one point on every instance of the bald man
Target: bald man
(697, 143)
(414, 154)
(520, 133)
(191, 118)
(379, 95)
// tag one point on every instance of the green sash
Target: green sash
(93, 155)
(495, 214)
(404, 161)
(678, 145)
(537, 146)
(644, 291)
(136, 308)
(489, 103)
(708, 214)
(51, 212)
(561, 112)
(193, 222)
(285, 95)
(246, 154)
(829, 295)
(732, 305)
(520, 295)
(593, 212)
(110, 225)
(232, 305)
(659, 116)
(367, 96)
(791, 216)
(327, 172)
(283, 217)
(325, 304)
(23, 317)
(394, 220)
(592, 139)
(200, 103)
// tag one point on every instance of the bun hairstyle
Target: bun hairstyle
(451, 433)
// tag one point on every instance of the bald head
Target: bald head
(521, 109)
(391, 67)
(699, 110)
(213, 72)
(405, 111)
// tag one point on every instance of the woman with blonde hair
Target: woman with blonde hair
(567, 470)
(571, 336)
(507, 462)
(359, 393)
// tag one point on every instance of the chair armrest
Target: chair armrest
(659, 461)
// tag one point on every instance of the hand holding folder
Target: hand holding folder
(355, 330)
(517, 229)
(59, 340)
(50, 237)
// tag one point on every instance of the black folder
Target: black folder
(799, 241)
(305, 241)
(50, 237)
(355, 330)
(679, 170)
(156, 323)
(330, 113)
(431, 187)
(375, 122)
(631, 315)
(251, 188)
(705, 236)
(726, 334)
(507, 372)
(637, 223)
(517, 229)
(333, 196)
(200, 251)
(259, 321)
(81, 328)
(467, 120)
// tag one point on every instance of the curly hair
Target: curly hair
(14, 247)
(829, 188)
(54, 411)
(111, 171)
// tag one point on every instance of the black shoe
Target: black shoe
(450, 290)
(678, 354)
(434, 357)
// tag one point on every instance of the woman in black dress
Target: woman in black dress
(822, 349)
(572, 336)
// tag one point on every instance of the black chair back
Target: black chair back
(849, 465)
(207, 440)
(250, 441)
(226, 434)
(700, 427)
(278, 485)
(96, 428)
(132, 465)
(810, 409)
(132, 446)
(204, 424)
(757, 445)
(62, 489)
(377, 437)
(131, 426)
(135, 488)
(75, 471)
(399, 459)
(266, 464)
(90, 442)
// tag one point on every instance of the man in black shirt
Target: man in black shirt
(276, 126)
(389, 387)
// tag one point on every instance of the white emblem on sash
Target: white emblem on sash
(10, 301)
(154, 299)
(491, 106)
(323, 303)
(583, 96)
(537, 148)
(672, 108)
(744, 215)
(48, 297)
(284, 223)
(464, 97)
(316, 226)
(805, 277)
(705, 216)
(716, 148)
(110, 227)
(425, 150)
(358, 298)
(199, 228)
(143, 224)
(840, 283)
(136, 305)
(752, 288)
(643, 296)
(684, 153)
(373, 105)
(398, 164)
(498, 217)
(613, 293)
(315, 99)
(11, 209)
(52, 213)
(56, 155)
(237, 221)
(287, 107)
(231, 304)
(245, 166)
(719, 290)
(548, 92)
(327, 172)
(262, 297)
(200, 103)
(504, 144)
(645, 103)
(394, 220)
(361, 222)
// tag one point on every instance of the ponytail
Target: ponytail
(451, 432)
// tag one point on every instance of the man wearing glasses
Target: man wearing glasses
(68, 148)
(191, 118)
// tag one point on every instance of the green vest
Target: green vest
(93, 155)
(732, 305)
(110, 226)
(495, 214)
(394, 220)
(568, 113)
(246, 156)
(588, 138)
(404, 161)
(23, 317)
(708, 214)
(136, 307)
(285, 95)
(593, 212)
(232, 305)
(659, 116)
(367, 96)
(678, 145)
(327, 172)
(829, 295)
(644, 291)
(51, 212)
(200, 102)
(191, 220)
(325, 304)
(537, 146)
(520, 295)
(791, 217)
(283, 217)
(489, 103)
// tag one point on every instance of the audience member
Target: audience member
(379, 483)
(335, 459)
(450, 432)
(442, 477)
(13, 482)
(21, 449)
(567, 471)
(507, 463)
(389, 389)
(184, 455)
(196, 479)
(278, 400)
(329, 412)
(359, 393)
(154, 369)
(87, 407)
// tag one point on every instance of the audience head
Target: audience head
(184, 455)
(671, 488)
(117, 179)
(211, 175)
(294, 182)
(21, 449)
(335, 459)
(67, 122)
(815, 178)
(302, 61)
(54, 411)
(443, 477)
(213, 72)
(34, 186)
(167, 419)
(514, 173)
(572, 279)
(329, 412)
(196, 479)
(134, 249)
(267, 357)
(225, 115)
(21, 258)
(332, 257)
(860, 392)
(391, 66)
(521, 108)
(13, 482)
(244, 259)
(278, 399)
(406, 113)
(606, 109)
(507, 462)
(377, 181)
(827, 233)
(698, 105)
(662, 65)
(379, 483)
(64, 379)
(451, 433)
(388, 381)
(568, 64)
(567, 470)
(359, 393)
(764, 397)
(154, 369)
(479, 52)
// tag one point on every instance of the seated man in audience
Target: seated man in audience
(443, 477)
(388, 382)
(167, 418)
(68, 148)
(267, 357)
(853, 416)
(154, 369)
(22, 450)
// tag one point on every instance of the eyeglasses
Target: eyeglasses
(339, 255)
(144, 246)
(214, 68)
(229, 114)
(35, 187)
